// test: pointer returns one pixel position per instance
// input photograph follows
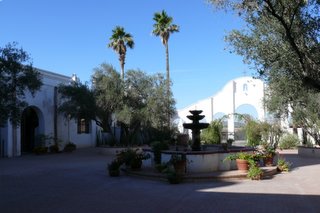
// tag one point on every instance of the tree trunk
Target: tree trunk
(122, 62)
(168, 83)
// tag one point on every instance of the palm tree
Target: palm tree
(119, 41)
(163, 28)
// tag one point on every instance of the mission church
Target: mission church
(241, 95)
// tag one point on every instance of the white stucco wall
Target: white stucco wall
(43, 103)
(239, 91)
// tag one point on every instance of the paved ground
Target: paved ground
(78, 182)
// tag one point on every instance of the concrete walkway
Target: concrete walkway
(78, 182)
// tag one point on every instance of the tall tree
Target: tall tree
(282, 42)
(145, 104)
(119, 41)
(96, 103)
(163, 27)
(77, 101)
(17, 77)
(108, 92)
(282, 37)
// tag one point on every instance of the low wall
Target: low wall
(309, 151)
(205, 161)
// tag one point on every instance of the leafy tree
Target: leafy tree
(108, 92)
(17, 77)
(282, 42)
(212, 134)
(119, 41)
(163, 28)
(144, 107)
(77, 101)
(97, 103)
(282, 36)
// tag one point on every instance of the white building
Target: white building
(41, 118)
(242, 95)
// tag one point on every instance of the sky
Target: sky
(69, 36)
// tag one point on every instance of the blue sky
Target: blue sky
(68, 36)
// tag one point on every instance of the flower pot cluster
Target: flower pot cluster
(250, 162)
(131, 158)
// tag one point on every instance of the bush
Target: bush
(157, 147)
(283, 165)
(288, 141)
(254, 173)
(212, 134)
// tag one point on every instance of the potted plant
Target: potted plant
(173, 177)
(132, 157)
(268, 154)
(229, 142)
(114, 168)
(254, 172)
(70, 147)
(179, 162)
(283, 165)
(243, 159)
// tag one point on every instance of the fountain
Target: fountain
(195, 126)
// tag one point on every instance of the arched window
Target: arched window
(83, 126)
(245, 88)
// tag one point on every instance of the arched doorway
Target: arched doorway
(244, 109)
(29, 123)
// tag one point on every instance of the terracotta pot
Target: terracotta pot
(268, 161)
(180, 167)
(242, 164)
(136, 164)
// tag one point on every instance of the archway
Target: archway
(244, 109)
(29, 123)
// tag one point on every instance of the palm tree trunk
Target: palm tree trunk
(167, 68)
(122, 59)
(168, 83)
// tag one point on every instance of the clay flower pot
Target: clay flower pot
(242, 164)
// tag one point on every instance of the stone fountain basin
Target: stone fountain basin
(195, 126)
(204, 161)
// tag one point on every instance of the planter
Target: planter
(136, 164)
(174, 178)
(180, 167)
(268, 161)
(242, 164)
(114, 173)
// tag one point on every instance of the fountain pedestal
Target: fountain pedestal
(195, 127)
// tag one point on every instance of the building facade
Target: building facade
(41, 118)
(242, 95)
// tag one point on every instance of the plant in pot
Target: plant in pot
(114, 168)
(254, 172)
(268, 153)
(172, 176)
(243, 159)
(132, 158)
(179, 162)
(283, 165)
(70, 147)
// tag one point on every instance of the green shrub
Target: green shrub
(288, 141)
(283, 165)
(212, 134)
(253, 133)
(157, 147)
(254, 173)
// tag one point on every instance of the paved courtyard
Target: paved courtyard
(78, 182)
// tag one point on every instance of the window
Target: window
(83, 126)
(245, 88)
